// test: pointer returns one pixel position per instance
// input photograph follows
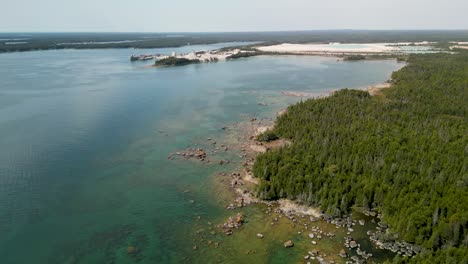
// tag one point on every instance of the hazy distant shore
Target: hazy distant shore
(54, 41)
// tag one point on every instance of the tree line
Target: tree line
(403, 152)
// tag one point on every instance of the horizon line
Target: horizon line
(254, 31)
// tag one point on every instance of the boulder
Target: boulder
(239, 219)
(314, 252)
(343, 254)
(260, 235)
(288, 244)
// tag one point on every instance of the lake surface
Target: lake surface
(85, 136)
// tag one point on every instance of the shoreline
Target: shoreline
(235, 191)
(256, 147)
(244, 183)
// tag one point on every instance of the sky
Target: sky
(223, 16)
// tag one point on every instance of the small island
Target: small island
(199, 56)
(173, 61)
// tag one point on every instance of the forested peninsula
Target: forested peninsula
(403, 152)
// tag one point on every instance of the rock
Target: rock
(314, 242)
(239, 218)
(353, 244)
(194, 247)
(343, 254)
(231, 223)
(288, 244)
(362, 222)
(306, 257)
(383, 225)
(311, 235)
(260, 235)
(132, 250)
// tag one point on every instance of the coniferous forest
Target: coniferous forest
(403, 152)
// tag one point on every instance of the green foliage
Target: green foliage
(245, 54)
(450, 255)
(173, 61)
(402, 58)
(268, 135)
(354, 57)
(404, 152)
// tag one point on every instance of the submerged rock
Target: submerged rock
(343, 254)
(233, 222)
(288, 244)
(132, 250)
(353, 244)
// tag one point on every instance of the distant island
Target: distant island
(203, 56)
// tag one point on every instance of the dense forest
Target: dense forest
(403, 152)
(173, 61)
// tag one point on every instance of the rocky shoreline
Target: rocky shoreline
(242, 184)
(289, 209)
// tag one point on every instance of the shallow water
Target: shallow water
(85, 136)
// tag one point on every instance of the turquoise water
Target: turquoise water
(85, 136)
